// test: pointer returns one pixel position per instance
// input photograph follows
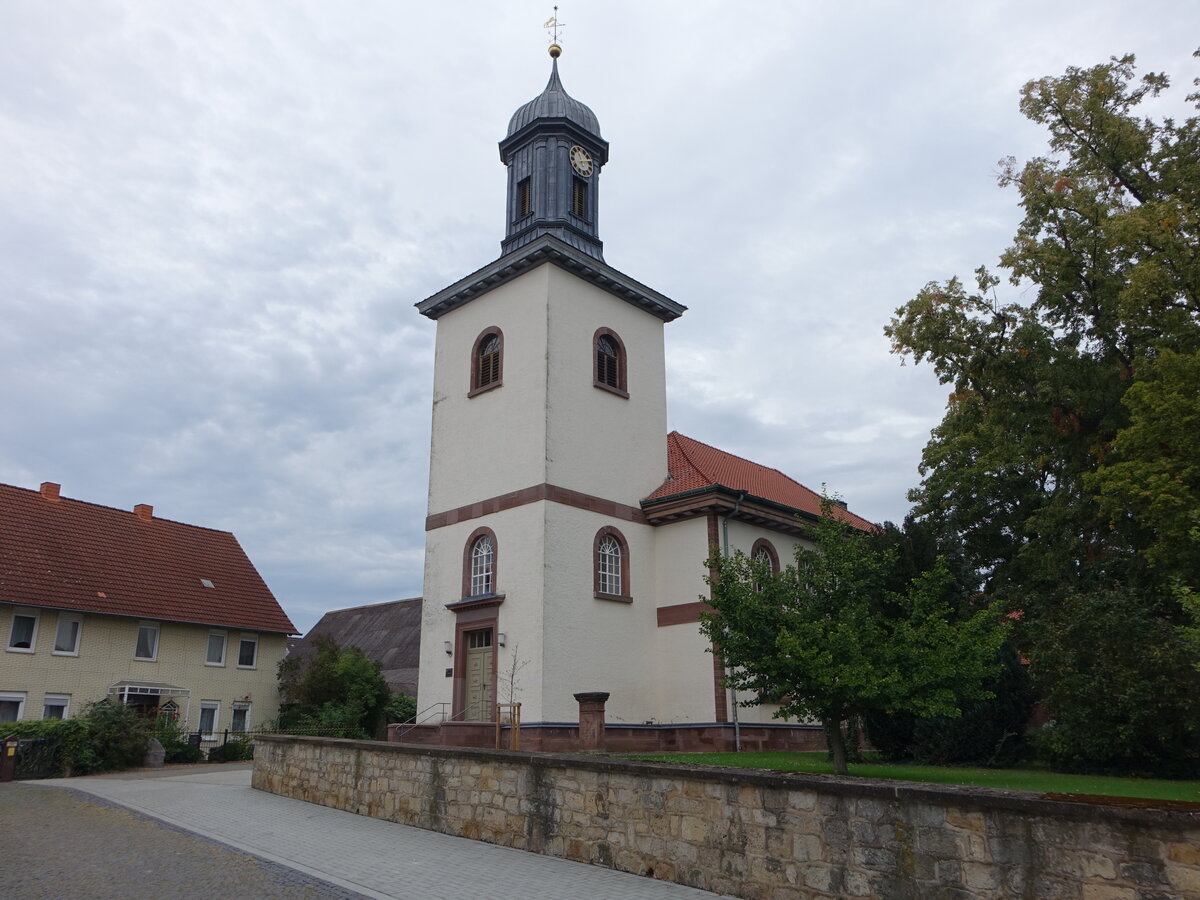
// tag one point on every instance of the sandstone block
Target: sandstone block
(1108, 892)
(1188, 854)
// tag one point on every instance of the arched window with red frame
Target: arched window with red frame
(479, 564)
(609, 370)
(764, 551)
(487, 361)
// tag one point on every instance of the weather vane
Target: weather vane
(552, 25)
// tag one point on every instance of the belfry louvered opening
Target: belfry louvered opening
(524, 198)
(489, 361)
(579, 198)
(608, 361)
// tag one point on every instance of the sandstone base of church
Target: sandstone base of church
(565, 738)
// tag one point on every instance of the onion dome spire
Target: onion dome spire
(554, 153)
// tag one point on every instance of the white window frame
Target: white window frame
(236, 707)
(17, 697)
(608, 563)
(24, 612)
(157, 628)
(52, 700)
(483, 566)
(64, 619)
(224, 636)
(215, 707)
(247, 638)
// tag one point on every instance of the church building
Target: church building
(566, 529)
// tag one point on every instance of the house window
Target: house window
(215, 655)
(487, 361)
(611, 561)
(54, 706)
(12, 706)
(524, 198)
(248, 651)
(147, 641)
(66, 636)
(483, 559)
(209, 714)
(579, 198)
(22, 634)
(608, 371)
(240, 717)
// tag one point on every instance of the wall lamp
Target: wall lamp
(449, 648)
(501, 638)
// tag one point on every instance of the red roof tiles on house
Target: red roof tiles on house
(68, 554)
(694, 466)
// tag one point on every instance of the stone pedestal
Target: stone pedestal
(591, 719)
(154, 754)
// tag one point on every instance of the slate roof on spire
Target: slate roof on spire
(554, 103)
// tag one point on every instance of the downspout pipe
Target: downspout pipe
(737, 725)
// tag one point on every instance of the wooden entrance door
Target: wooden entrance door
(478, 700)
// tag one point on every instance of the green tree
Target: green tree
(991, 729)
(1120, 685)
(1056, 464)
(1109, 239)
(333, 690)
(826, 639)
(1150, 483)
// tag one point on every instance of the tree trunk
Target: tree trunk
(837, 745)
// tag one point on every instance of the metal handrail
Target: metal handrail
(428, 713)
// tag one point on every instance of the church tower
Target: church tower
(549, 425)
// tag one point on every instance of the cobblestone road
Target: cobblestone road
(57, 843)
(210, 835)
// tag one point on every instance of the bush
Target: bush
(1121, 685)
(335, 690)
(68, 743)
(401, 708)
(176, 747)
(233, 751)
(989, 732)
(116, 738)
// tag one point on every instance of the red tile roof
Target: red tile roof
(69, 554)
(694, 466)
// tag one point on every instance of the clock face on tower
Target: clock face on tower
(580, 161)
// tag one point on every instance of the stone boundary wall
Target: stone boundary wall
(754, 834)
(617, 738)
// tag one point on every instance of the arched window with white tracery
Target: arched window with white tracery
(610, 560)
(483, 565)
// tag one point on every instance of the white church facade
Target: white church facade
(566, 529)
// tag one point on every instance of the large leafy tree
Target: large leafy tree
(1065, 463)
(827, 638)
(1111, 241)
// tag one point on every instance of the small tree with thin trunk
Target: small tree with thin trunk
(825, 638)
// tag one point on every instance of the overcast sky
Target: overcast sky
(215, 219)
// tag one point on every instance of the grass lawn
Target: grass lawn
(1040, 780)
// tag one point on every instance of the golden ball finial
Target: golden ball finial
(555, 51)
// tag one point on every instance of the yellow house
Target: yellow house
(98, 602)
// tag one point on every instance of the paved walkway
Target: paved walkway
(346, 852)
